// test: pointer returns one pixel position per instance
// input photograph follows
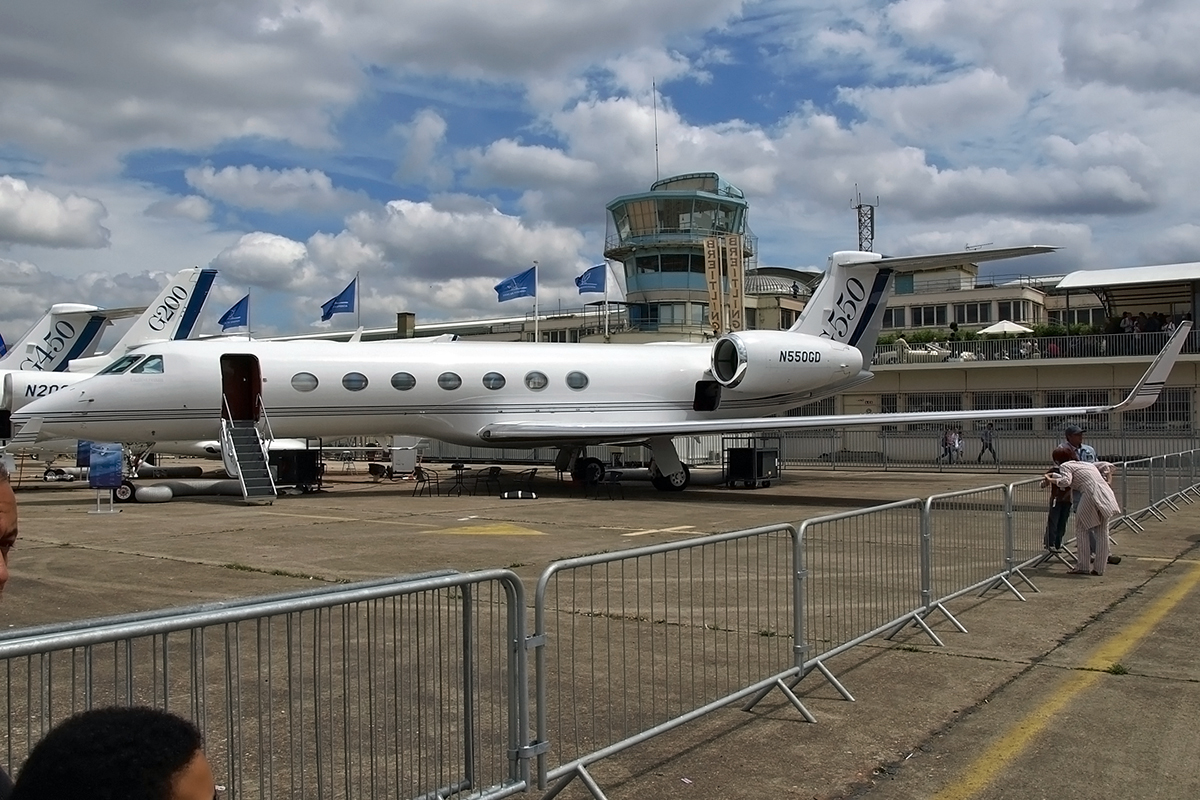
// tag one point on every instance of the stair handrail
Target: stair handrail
(229, 454)
(264, 421)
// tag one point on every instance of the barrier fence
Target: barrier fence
(420, 687)
(387, 689)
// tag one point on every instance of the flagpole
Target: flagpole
(536, 337)
(248, 329)
(357, 303)
(606, 300)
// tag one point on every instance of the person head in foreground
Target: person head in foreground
(118, 753)
(8, 524)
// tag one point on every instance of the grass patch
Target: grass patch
(1117, 669)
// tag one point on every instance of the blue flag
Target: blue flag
(343, 302)
(3, 346)
(593, 280)
(237, 316)
(522, 285)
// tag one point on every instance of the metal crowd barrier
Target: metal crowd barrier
(419, 687)
(404, 688)
(635, 643)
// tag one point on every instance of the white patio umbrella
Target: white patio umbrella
(1005, 326)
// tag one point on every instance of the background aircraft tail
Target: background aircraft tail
(173, 313)
(67, 331)
(848, 304)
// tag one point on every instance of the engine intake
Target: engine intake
(779, 362)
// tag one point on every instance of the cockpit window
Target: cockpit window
(120, 365)
(153, 365)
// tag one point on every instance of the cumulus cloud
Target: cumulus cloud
(422, 159)
(191, 207)
(29, 215)
(272, 190)
(267, 260)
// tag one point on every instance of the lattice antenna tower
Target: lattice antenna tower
(866, 222)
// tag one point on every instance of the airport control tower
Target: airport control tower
(686, 247)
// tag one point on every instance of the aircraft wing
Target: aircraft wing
(1143, 395)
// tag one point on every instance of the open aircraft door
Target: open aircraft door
(241, 386)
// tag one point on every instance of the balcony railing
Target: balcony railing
(1116, 345)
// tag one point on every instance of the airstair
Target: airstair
(244, 452)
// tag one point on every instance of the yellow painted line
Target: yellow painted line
(500, 529)
(987, 767)
(676, 529)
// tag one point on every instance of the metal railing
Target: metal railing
(399, 688)
(1109, 345)
(419, 687)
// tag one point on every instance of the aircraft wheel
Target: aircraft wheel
(124, 492)
(676, 482)
(588, 470)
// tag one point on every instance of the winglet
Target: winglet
(28, 433)
(1148, 388)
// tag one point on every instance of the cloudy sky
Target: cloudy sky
(439, 146)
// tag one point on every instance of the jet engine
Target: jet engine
(779, 362)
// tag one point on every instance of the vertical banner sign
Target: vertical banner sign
(737, 296)
(83, 453)
(712, 274)
(105, 469)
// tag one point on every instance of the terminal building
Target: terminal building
(664, 240)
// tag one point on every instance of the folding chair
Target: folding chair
(426, 482)
(489, 477)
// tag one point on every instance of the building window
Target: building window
(929, 316)
(991, 401)
(1083, 397)
(972, 313)
(895, 317)
(1171, 411)
(1016, 310)
(402, 381)
(304, 382)
(493, 380)
(449, 381)
(931, 401)
(354, 381)
(671, 262)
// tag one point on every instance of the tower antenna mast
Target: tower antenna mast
(866, 222)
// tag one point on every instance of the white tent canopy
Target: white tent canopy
(1005, 326)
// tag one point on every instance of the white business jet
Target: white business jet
(527, 394)
(58, 350)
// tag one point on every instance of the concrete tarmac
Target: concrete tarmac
(1088, 689)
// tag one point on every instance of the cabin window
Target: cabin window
(153, 365)
(449, 380)
(536, 381)
(354, 381)
(577, 380)
(493, 380)
(120, 365)
(304, 381)
(403, 381)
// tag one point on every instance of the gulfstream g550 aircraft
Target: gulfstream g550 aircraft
(520, 394)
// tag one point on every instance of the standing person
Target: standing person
(1060, 503)
(1096, 506)
(987, 438)
(1073, 434)
(118, 753)
(958, 445)
(8, 538)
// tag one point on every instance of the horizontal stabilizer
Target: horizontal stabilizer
(943, 260)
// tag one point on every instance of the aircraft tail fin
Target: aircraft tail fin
(848, 304)
(173, 313)
(65, 332)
